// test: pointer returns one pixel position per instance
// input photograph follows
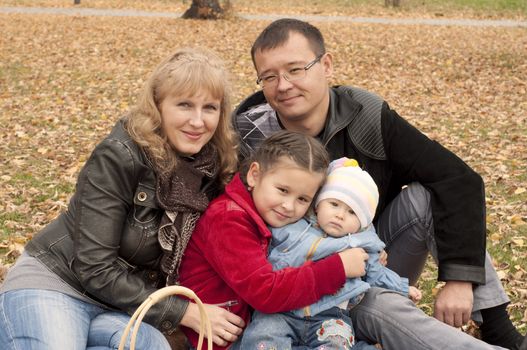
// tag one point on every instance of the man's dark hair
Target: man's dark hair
(277, 33)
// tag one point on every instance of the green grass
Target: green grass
(14, 71)
(5, 230)
(482, 5)
(437, 7)
(511, 260)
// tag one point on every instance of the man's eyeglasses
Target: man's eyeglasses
(293, 74)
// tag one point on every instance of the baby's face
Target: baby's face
(336, 218)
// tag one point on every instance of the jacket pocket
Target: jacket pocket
(145, 206)
(139, 238)
(125, 264)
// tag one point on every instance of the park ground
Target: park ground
(65, 80)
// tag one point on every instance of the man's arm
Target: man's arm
(457, 196)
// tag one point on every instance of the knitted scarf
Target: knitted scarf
(178, 193)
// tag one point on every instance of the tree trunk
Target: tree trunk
(207, 9)
(394, 3)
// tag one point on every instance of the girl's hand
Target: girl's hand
(414, 294)
(226, 326)
(354, 261)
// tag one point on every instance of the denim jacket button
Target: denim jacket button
(141, 196)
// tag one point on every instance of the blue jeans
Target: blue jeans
(331, 329)
(42, 319)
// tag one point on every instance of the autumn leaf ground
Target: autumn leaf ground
(409, 8)
(64, 81)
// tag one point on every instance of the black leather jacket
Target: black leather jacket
(361, 125)
(105, 245)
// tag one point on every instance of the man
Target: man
(441, 208)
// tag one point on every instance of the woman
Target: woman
(136, 202)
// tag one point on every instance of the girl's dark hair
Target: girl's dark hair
(306, 151)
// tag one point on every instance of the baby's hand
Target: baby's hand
(414, 294)
(383, 257)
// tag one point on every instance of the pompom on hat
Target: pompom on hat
(347, 182)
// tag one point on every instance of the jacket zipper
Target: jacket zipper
(227, 305)
(330, 136)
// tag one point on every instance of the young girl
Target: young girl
(226, 259)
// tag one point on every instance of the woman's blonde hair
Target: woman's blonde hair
(186, 72)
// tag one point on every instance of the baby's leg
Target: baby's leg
(269, 331)
(332, 330)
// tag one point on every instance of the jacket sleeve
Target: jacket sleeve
(239, 256)
(103, 199)
(457, 196)
(380, 276)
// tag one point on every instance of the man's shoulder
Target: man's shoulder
(358, 94)
(361, 111)
(253, 100)
(254, 123)
(254, 113)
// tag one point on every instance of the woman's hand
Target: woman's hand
(226, 326)
(354, 261)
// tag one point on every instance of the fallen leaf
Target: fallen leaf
(496, 237)
(518, 241)
(520, 190)
(502, 274)
(517, 220)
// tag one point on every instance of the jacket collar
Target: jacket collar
(343, 108)
(238, 193)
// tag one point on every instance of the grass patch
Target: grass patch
(6, 227)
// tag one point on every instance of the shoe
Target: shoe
(524, 343)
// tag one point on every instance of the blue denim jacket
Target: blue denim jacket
(292, 243)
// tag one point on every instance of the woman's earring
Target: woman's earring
(250, 188)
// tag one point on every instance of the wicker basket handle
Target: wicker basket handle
(162, 293)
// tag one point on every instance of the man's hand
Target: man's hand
(453, 305)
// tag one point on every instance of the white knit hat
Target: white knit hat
(350, 184)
